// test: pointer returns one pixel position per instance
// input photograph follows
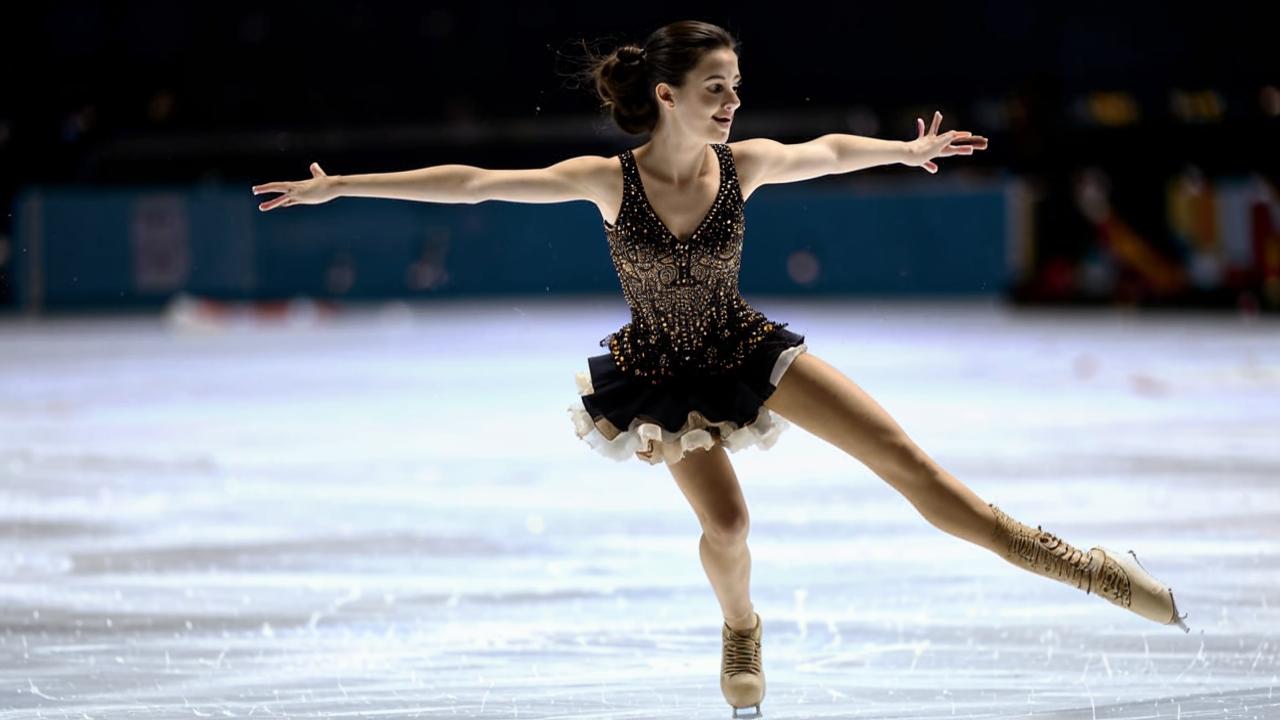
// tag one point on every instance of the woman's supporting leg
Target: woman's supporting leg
(707, 479)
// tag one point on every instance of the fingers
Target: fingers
(964, 144)
(937, 120)
(275, 202)
(284, 200)
(920, 127)
(281, 187)
(960, 142)
(961, 149)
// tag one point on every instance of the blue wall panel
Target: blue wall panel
(77, 247)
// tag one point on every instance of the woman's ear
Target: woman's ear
(665, 95)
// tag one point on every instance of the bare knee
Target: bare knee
(707, 479)
(728, 528)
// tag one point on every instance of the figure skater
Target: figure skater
(697, 370)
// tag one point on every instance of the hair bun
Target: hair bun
(631, 55)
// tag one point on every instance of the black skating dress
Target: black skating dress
(696, 363)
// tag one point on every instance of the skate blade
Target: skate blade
(1177, 619)
(1135, 568)
(756, 715)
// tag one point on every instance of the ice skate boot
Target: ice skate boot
(1115, 577)
(741, 672)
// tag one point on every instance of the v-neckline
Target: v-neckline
(706, 216)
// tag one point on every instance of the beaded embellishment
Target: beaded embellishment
(687, 315)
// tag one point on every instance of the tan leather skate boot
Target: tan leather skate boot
(1111, 575)
(741, 672)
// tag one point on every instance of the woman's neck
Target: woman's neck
(677, 161)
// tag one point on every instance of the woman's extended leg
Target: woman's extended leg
(819, 398)
(707, 479)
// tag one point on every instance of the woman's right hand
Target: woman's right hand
(321, 188)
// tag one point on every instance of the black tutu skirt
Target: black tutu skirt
(623, 417)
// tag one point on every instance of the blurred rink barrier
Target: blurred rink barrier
(209, 254)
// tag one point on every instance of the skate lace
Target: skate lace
(1059, 559)
(741, 654)
(1113, 581)
(1055, 556)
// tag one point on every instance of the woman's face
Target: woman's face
(710, 91)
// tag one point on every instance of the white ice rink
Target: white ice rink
(388, 515)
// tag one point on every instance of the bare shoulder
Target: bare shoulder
(598, 177)
(603, 174)
(753, 149)
(752, 158)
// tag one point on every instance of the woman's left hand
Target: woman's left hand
(926, 147)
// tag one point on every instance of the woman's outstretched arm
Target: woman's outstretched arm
(438, 183)
(769, 161)
(576, 178)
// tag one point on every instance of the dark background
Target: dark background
(148, 92)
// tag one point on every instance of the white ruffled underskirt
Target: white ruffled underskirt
(654, 444)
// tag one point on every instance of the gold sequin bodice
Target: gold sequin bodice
(687, 316)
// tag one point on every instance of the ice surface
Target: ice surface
(387, 514)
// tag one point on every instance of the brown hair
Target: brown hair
(624, 79)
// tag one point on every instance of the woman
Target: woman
(697, 370)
